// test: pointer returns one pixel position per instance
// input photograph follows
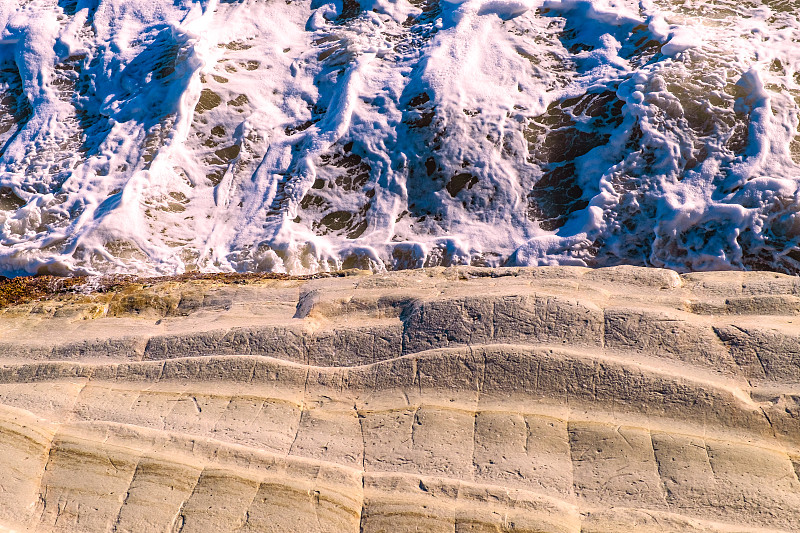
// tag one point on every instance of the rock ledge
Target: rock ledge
(464, 399)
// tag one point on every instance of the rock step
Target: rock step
(549, 422)
(552, 399)
(104, 476)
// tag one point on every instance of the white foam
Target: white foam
(155, 136)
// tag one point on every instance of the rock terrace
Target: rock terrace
(548, 399)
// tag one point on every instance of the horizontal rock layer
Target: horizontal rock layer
(548, 400)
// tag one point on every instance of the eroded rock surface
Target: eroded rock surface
(547, 400)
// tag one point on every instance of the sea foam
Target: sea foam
(155, 136)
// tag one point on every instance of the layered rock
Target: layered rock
(549, 400)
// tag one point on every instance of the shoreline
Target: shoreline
(25, 289)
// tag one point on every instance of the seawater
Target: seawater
(161, 136)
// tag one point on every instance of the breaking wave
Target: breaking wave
(160, 136)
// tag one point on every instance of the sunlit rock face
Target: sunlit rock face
(551, 400)
(152, 136)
